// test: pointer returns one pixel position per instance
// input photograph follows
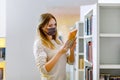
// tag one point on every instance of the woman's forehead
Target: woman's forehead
(52, 21)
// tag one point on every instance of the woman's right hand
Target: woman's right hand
(67, 45)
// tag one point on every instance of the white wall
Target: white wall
(109, 1)
(22, 17)
(2, 18)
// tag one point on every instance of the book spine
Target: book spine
(90, 51)
(88, 25)
(91, 23)
(81, 63)
(88, 73)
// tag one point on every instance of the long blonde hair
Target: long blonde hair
(44, 19)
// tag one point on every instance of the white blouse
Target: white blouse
(43, 54)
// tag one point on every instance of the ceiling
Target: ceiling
(67, 3)
(65, 6)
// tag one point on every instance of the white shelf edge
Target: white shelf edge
(110, 66)
(109, 35)
(109, 4)
(81, 70)
(81, 37)
(78, 69)
(81, 54)
(88, 63)
(1, 59)
(88, 13)
(86, 36)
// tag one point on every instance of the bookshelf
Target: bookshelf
(109, 38)
(106, 59)
(2, 58)
(2, 49)
(79, 53)
(83, 66)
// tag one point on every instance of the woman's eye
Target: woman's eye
(50, 25)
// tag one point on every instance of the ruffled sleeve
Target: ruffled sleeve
(40, 57)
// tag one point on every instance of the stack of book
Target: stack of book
(109, 77)
(104, 76)
(81, 63)
(88, 73)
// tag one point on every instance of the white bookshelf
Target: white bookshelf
(79, 53)
(109, 39)
(83, 57)
(106, 18)
(86, 12)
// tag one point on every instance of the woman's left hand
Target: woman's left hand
(73, 45)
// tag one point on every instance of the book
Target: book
(72, 34)
(88, 25)
(88, 73)
(90, 51)
(2, 53)
(81, 63)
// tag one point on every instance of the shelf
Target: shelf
(1, 59)
(81, 37)
(88, 63)
(105, 38)
(109, 66)
(81, 53)
(81, 70)
(88, 36)
(109, 35)
(109, 4)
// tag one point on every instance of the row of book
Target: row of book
(109, 77)
(115, 78)
(104, 76)
(81, 63)
(88, 55)
(2, 53)
(88, 25)
(89, 51)
(88, 73)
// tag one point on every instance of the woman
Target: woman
(50, 53)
